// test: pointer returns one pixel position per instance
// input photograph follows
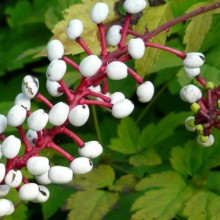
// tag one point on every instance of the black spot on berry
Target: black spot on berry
(202, 57)
(90, 163)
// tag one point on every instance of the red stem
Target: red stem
(94, 102)
(28, 147)
(201, 81)
(70, 96)
(79, 141)
(138, 79)
(82, 43)
(99, 95)
(43, 99)
(102, 39)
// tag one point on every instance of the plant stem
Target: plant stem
(95, 118)
(82, 43)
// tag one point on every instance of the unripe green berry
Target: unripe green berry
(195, 107)
(210, 85)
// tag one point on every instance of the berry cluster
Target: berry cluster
(92, 90)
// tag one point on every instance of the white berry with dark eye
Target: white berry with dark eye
(56, 70)
(99, 12)
(58, 114)
(30, 86)
(43, 194)
(13, 178)
(79, 115)
(74, 29)
(194, 60)
(190, 93)
(81, 165)
(53, 88)
(37, 120)
(116, 70)
(136, 48)
(23, 100)
(55, 50)
(90, 65)
(134, 6)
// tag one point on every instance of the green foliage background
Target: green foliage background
(152, 168)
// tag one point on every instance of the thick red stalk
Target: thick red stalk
(79, 141)
(82, 43)
(137, 78)
(71, 63)
(43, 99)
(102, 39)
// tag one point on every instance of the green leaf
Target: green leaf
(124, 184)
(166, 193)
(152, 18)
(203, 205)
(197, 28)
(90, 204)
(92, 180)
(127, 140)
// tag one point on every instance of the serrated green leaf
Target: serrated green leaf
(124, 184)
(90, 204)
(203, 205)
(166, 193)
(127, 140)
(92, 180)
(197, 28)
(146, 158)
(152, 18)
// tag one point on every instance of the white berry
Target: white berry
(2, 171)
(43, 194)
(58, 114)
(96, 89)
(30, 86)
(79, 115)
(3, 123)
(145, 91)
(90, 65)
(38, 165)
(13, 178)
(43, 179)
(134, 6)
(192, 72)
(55, 50)
(136, 48)
(208, 143)
(190, 93)
(32, 137)
(6, 207)
(4, 190)
(116, 70)
(91, 149)
(37, 120)
(116, 96)
(74, 29)
(122, 108)
(28, 191)
(56, 70)
(99, 12)
(114, 35)
(23, 100)
(60, 174)
(16, 115)
(11, 147)
(53, 88)
(81, 165)
(194, 60)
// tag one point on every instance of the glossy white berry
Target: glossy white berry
(79, 115)
(74, 29)
(114, 35)
(90, 65)
(145, 91)
(28, 191)
(2, 171)
(53, 88)
(136, 48)
(192, 72)
(30, 86)
(43, 179)
(194, 60)
(4, 190)
(134, 6)
(0, 151)
(32, 137)
(3, 123)
(99, 12)
(11, 147)
(16, 115)
(117, 96)
(23, 100)
(81, 165)
(60, 174)
(38, 165)
(189, 124)
(6, 207)
(91, 149)
(43, 194)
(207, 143)
(122, 108)
(190, 93)
(13, 178)
(55, 50)
(96, 89)
(37, 120)
(56, 70)
(117, 70)
(58, 114)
